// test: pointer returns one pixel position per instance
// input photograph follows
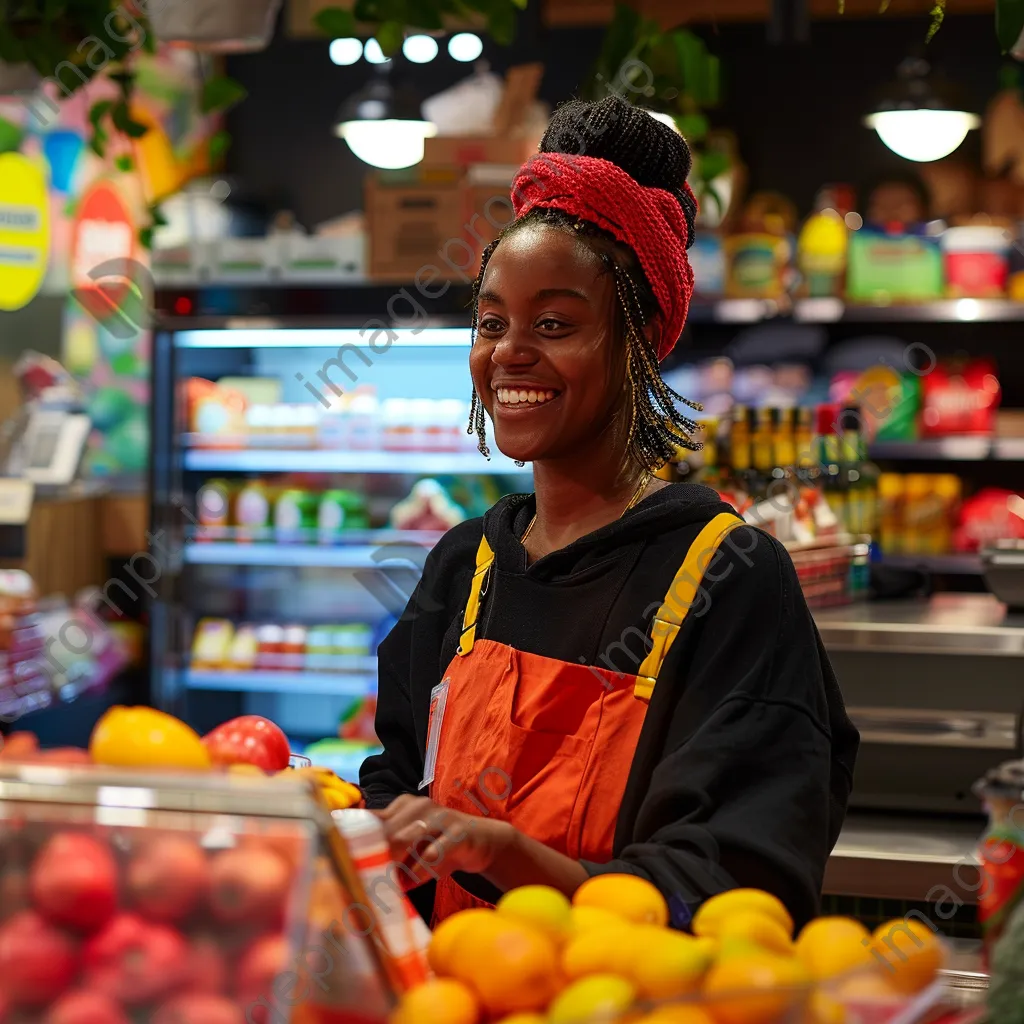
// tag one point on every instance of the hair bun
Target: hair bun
(611, 129)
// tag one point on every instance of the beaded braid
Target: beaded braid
(657, 428)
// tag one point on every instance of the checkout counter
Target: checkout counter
(935, 688)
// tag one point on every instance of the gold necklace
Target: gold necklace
(637, 495)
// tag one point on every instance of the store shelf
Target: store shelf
(244, 335)
(357, 683)
(951, 449)
(320, 461)
(822, 311)
(952, 565)
(302, 556)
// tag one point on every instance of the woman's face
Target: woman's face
(546, 362)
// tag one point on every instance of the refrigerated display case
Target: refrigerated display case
(287, 425)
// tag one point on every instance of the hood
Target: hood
(671, 508)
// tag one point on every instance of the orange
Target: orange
(524, 1018)
(680, 1013)
(629, 896)
(754, 989)
(713, 912)
(823, 1008)
(757, 927)
(601, 951)
(588, 919)
(830, 946)
(910, 953)
(512, 968)
(441, 942)
(539, 906)
(438, 1002)
(867, 988)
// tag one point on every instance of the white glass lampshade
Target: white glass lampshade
(390, 144)
(922, 135)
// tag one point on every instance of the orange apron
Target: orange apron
(544, 744)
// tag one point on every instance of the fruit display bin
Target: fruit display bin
(179, 899)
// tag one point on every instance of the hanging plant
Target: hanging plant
(670, 73)
(389, 19)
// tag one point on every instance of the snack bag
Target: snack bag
(991, 515)
(960, 400)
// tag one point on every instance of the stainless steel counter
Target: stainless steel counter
(905, 858)
(974, 624)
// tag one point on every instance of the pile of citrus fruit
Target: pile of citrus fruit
(609, 956)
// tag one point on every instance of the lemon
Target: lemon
(601, 997)
(630, 896)
(439, 952)
(438, 1002)
(667, 964)
(524, 1018)
(833, 946)
(600, 951)
(756, 927)
(541, 907)
(713, 912)
(143, 737)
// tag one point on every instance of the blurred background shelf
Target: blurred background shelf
(953, 565)
(360, 682)
(827, 311)
(321, 461)
(346, 556)
(952, 449)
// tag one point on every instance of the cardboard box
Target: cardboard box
(464, 151)
(414, 226)
(486, 206)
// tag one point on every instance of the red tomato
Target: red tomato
(134, 961)
(207, 967)
(73, 881)
(85, 1007)
(249, 886)
(197, 1008)
(249, 740)
(258, 969)
(37, 961)
(167, 878)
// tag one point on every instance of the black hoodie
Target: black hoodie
(744, 765)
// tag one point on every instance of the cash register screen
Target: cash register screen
(44, 447)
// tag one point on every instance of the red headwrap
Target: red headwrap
(649, 220)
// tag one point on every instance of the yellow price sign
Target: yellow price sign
(24, 230)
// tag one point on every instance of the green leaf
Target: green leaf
(146, 238)
(390, 35)
(501, 22)
(98, 111)
(124, 163)
(1009, 23)
(219, 145)
(424, 14)
(10, 136)
(335, 22)
(157, 214)
(693, 126)
(367, 10)
(712, 164)
(124, 123)
(220, 94)
(938, 13)
(520, 4)
(98, 143)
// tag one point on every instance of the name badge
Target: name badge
(438, 702)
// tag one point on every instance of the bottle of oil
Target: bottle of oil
(860, 477)
(711, 471)
(807, 468)
(739, 449)
(762, 452)
(829, 460)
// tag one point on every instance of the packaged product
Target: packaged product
(295, 515)
(821, 254)
(960, 399)
(293, 648)
(889, 401)
(885, 267)
(989, 516)
(319, 648)
(707, 257)
(213, 506)
(211, 643)
(352, 640)
(339, 511)
(252, 512)
(270, 649)
(756, 266)
(977, 260)
(891, 496)
(216, 414)
(243, 649)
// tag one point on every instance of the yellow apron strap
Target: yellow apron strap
(680, 597)
(484, 560)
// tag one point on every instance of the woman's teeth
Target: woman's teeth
(510, 396)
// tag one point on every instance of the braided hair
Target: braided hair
(655, 156)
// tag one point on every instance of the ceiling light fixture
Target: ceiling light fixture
(919, 117)
(420, 49)
(465, 47)
(373, 53)
(345, 51)
(383, 124)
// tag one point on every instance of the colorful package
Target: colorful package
(988, 517)
(885, 268)
(960, 400)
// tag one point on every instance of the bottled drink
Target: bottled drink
(860, 478)
(762, 453)
(739, 449)
(807, 468)
(829, 460)
(711, 473)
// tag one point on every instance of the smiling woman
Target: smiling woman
(561, 617)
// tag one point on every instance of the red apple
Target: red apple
(196, 1008)
(85, 1007)
(258, 967)
(167, 878)
(249, 739)
(207, 967)
(74, 881)
(249, 885)
(37, 961)
(134, 961)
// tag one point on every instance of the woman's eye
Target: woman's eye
(489, 325)
(550, 324)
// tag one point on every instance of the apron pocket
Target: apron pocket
(548, 765)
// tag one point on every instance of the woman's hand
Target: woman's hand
(432, 841)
